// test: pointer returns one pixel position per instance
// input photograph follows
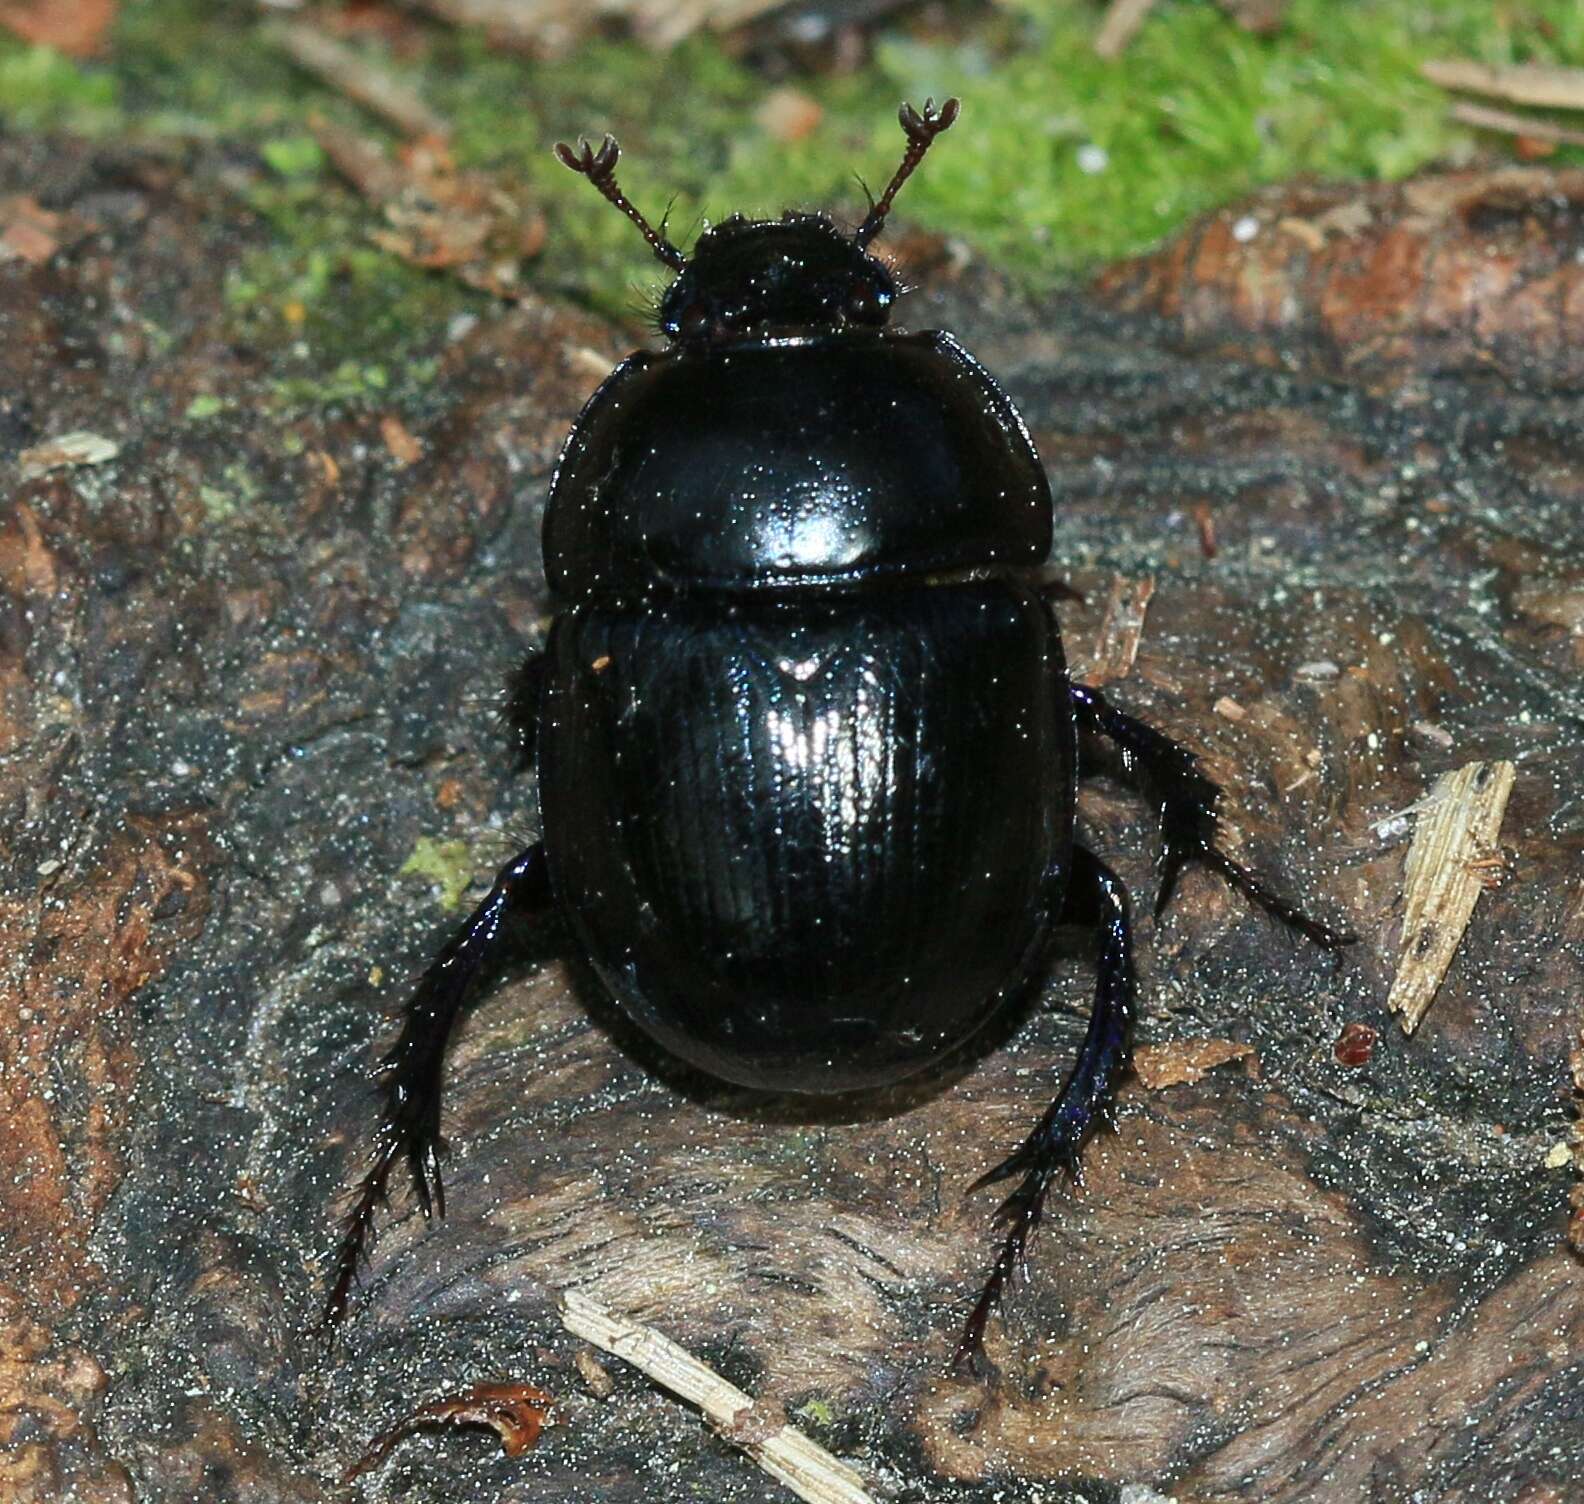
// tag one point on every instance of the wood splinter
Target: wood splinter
(807, 1469)
(1448, 867)
(1117, 643)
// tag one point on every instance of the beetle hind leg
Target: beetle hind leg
(410, 1073)
(1097, 900)
(1187, 800)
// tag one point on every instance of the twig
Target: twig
(359, 79)
(552, 29)
(1444, 876)
(807, 1469)
(1122, 21)
(363, 163)
(1517, 83)
(1486, 118)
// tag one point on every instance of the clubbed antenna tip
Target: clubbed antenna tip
(599, 167)
(921, 128)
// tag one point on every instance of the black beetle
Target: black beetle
(806, 744)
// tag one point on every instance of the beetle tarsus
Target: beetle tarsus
(1097, 900)
(1187, 800)
(410, 1074)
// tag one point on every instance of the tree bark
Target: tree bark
(249, 663)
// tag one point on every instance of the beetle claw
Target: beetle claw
(1015, 1163)
(922, 128)
(596, 165)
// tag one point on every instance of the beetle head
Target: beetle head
(794, 275)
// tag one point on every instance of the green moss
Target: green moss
(236, 489)
(447, 864)
(816, 1412)
(1194, 113)
(41, 90)
(294, 156)
(204, 405)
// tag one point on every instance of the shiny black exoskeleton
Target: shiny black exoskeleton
(806, 744)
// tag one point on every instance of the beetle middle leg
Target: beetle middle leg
(411, 1072)
(1096, 900)
(1187, 799)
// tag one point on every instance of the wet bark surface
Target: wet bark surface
(249, 675)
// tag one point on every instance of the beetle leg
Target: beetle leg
(1097, 900)
(410, 1073)
(1170, 773)
(524, 687)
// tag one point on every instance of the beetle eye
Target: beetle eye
(694, 321)
(867, 303)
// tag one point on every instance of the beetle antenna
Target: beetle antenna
(599, 167)
(921, 130)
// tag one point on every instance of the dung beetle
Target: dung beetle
(806, 744)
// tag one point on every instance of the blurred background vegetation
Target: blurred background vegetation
(1063, 157)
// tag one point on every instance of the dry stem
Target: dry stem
(359, 79)
(1517, 83)
(807, 1469)
(1513, 124)
(1122, 21)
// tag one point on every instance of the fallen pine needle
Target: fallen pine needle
(1445, 874)
(806, 1468)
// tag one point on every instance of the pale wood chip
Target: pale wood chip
(1456, 835)
(30, 232)
(399, 440)
(67, 450)
(1311, 235)
(601, 1385)
(1346, 219)
(1184, 1061)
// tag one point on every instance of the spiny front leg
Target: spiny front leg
(524, 693)
(410, 1073)
(1096, 900)
(1171, 776)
